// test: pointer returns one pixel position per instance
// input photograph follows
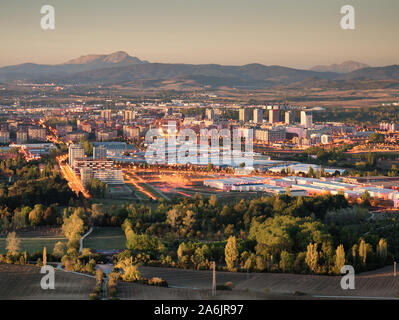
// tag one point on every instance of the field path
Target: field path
(83, 237)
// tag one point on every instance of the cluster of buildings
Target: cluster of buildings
(277, 125)
(389, 126)
(290, 126)
(301, 186)
(21, 131)
(97, 167)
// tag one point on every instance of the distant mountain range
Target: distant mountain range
(31, 71)
(120, 68)
(345, 67)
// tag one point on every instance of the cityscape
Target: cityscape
(206, 176)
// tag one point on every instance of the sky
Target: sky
(294, 33)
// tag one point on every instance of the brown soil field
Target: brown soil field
(132, 291)
(20, 282)
(375, 284)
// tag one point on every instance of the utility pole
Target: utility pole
(214, 279)
(394, 269)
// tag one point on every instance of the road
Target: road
(74, 182)
(134, 180)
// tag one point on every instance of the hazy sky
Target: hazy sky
(297, 33)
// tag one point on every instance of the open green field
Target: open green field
(34, 244)
(107, 238)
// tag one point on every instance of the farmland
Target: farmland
(380, 283)
(130, 291)
(23, 282)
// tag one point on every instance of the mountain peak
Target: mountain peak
(118, 57)
(345, 67)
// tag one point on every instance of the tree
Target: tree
(44, 256)
(59, 249)
(130, 271)
(73, 225)
(50, 216)
(311, 172)
(339, 258)
(97, 213)
(286, 261)
(250, 262)
(312, 256)
(172, 218)
(231, 253)
(73, 228)
(13, 244)
(189, 219)
(5, 224)
(19, 219)
(36, 215)
(96, 188)
(382, 250)
(363, 251)
(213, 201)
(99, 276)
(366, 199)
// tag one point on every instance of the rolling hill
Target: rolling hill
(345, 67)
(120, 68)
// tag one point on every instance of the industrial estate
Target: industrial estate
(124, 179)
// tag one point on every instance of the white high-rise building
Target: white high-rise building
(258, 115)
(129, 115)
(289, 117)
(306, 119)
(106, 114)
(75, 152)
(244, 114)
(210, 114)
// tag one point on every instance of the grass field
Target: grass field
(107, 238)
(34, 244)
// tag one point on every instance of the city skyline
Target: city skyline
(227, 32)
